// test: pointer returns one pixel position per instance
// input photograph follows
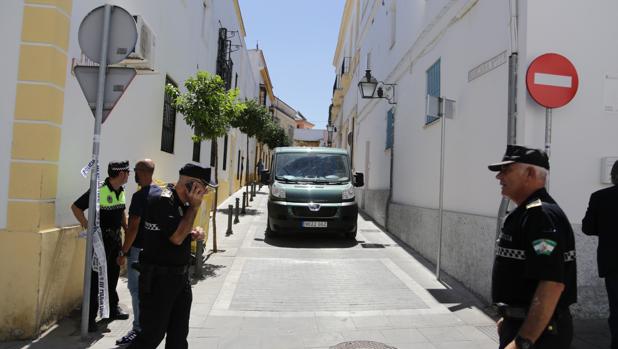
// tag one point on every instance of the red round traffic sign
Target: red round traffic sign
(552, 80)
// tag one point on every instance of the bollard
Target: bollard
(230, 212)
(199, 260)
(244, 203)
(237, 220)
(254, 186)
(251, 194)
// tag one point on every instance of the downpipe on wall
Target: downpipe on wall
(511, 137)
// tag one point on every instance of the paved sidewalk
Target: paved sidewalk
(308, 291)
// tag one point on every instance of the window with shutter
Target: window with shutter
(433, 86)
(390, 125)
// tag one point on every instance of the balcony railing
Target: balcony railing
(345, 65)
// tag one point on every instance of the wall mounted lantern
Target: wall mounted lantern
(372, 88)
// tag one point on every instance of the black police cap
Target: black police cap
(198, 172)
(118, 166)
(518, 153)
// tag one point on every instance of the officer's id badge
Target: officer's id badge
(110, 199)
(544, 246)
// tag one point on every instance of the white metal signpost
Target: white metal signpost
(443, 108)
(107, 35)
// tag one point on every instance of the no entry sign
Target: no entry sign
(552, 80)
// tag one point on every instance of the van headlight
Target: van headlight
(348, 193)
(277, 191)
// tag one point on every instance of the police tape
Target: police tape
(87, 168)
(99, 265)
(99, 257)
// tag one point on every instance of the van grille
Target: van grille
(306, 212)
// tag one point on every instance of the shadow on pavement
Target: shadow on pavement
(309, 240)
(64, 334)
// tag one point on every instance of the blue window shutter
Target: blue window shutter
(390, 125)
(433, 85)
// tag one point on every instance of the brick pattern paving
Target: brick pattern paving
(326, 285)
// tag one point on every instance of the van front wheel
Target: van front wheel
(351, 235)
(269, 231)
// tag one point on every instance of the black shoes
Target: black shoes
(93, 327)
(118, 314)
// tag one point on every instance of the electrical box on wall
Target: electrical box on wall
(606, 169)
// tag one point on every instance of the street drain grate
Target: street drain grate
(362, 345)
(370, 231)
(372, 245)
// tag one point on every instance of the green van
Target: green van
(312, 189)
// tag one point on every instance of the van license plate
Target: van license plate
(314, 224)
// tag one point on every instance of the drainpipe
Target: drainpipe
(390, 187)
(511, 137)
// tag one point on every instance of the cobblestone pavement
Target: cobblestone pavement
(316, 291)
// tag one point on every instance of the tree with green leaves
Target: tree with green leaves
(208, 108)
(251, 119)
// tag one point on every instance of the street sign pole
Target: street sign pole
(441, 203)
(548, 119)
(96, 140)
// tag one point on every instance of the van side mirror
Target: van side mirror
(265, 177)
(359, 179)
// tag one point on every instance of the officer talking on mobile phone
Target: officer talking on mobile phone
(164, 284)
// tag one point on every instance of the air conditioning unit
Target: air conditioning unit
(142, 57)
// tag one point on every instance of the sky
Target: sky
(298, 38)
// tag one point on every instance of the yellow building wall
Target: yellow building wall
(42, 272)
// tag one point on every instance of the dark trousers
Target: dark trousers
(111, 242)
(611, 283)
(559, 338)
(164, 308)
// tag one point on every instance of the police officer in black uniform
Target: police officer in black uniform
(534, 275)
(164, 284)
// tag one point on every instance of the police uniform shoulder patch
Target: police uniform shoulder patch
(166, 193)
(535, 203)
(544, 246)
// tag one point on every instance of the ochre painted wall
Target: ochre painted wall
(41, 276)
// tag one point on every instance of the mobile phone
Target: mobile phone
(189, 185)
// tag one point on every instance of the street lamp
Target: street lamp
(368, 86)
(330, 129)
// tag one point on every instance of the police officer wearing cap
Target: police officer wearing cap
(534, 274)
(111, 218)
(164, 284)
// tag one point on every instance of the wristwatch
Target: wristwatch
(122, 254)
(523, 343)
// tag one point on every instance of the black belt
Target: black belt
(158, 269)
(507, 311)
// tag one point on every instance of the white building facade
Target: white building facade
(460, 50)
(46, 131)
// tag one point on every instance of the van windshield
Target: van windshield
(312, 167)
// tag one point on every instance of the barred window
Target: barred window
(213, 153)
(169, 122)
(224, 152)
(196, 151)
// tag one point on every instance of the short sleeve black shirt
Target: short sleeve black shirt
(162, 219)
(138, 207)
(108, 219)
(536, 243)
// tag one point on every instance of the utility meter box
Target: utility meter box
(606, 169)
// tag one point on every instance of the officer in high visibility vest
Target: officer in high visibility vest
(534, 275)
(112, 217)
